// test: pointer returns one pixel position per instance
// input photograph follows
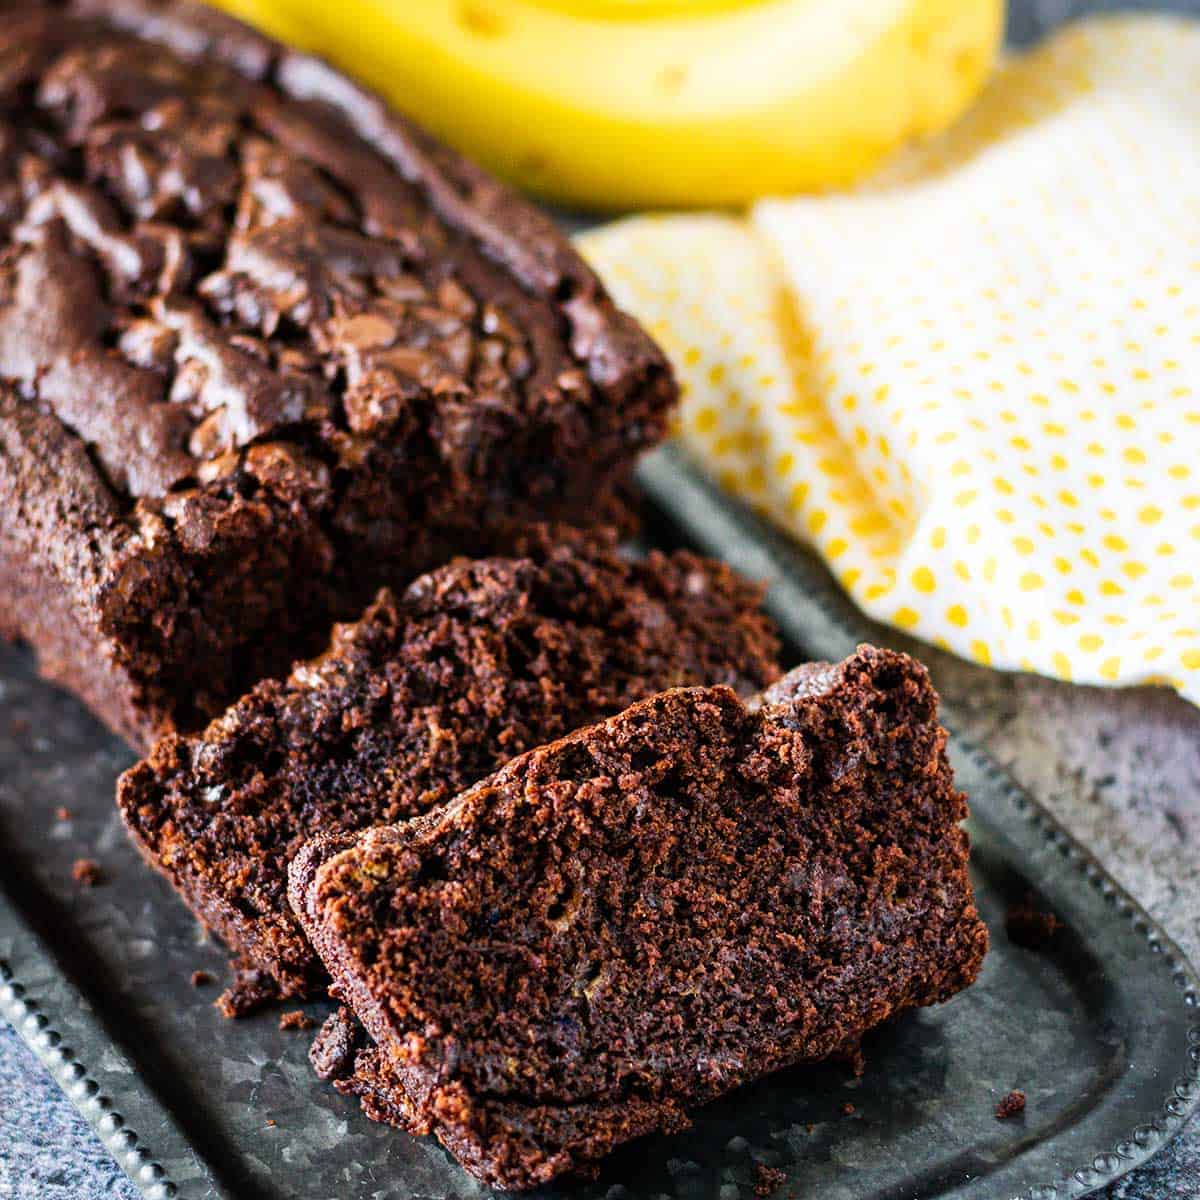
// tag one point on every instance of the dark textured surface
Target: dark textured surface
(1029, 20)
(265, 346)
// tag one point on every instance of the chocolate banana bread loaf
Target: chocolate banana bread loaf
(477, 662)
(647, 913)
(264, 346)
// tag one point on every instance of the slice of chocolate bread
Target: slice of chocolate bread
(477, 662)
(649, 912)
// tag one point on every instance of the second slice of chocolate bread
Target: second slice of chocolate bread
(477, 662)
(648, 913)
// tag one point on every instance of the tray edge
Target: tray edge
(44, 1034)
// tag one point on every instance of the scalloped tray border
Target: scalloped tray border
(39, 1033)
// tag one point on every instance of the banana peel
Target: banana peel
(619, 104)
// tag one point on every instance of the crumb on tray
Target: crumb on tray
(767, 1179)
(296, 1019)
(1030, 926)
(86, 872)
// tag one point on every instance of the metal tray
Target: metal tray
(1102, 1033)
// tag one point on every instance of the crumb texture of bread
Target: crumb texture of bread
(266, 346)
(649, 912)
(427, 693)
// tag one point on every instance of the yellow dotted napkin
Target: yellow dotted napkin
(974, 386)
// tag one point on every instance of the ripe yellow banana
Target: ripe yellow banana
(659, 103)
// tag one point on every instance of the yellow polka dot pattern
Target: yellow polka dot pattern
(974, 386)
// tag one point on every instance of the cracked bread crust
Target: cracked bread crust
(650, 912)
(301, 349)
(477, 662)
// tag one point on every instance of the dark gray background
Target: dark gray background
(1029, 19)
(1121, 769)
